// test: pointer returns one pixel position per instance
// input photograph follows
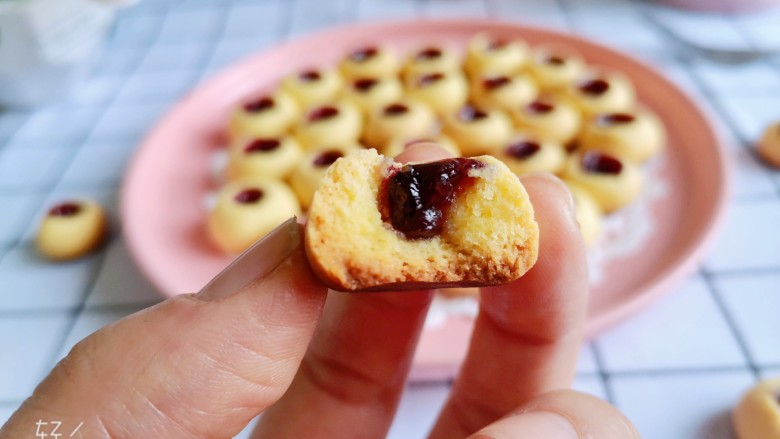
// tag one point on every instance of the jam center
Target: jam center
(364, 54)
(259, 105)
(429, 53)
(396, 109)
(327, 158)
(555, 60)
(523, 150)
(598, 163)
(310, 76)
(497, 44)
(249, 196)
(65, 209)
(539, 107)
(323, 113)
(416, 199)
(365, 85)
(616, 119)
(432, 78)
(470, 113)
(595, 87)
(262, 145)
(497, 82)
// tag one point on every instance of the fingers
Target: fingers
(527, 335)
(562, 414)
(354, 371)
(189, 367)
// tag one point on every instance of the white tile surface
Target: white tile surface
(57, 126)
(690, 406)
(386, 9)
(159, 87)
(454, 8)
(418, 410)
(120, 282)
(118, 62)
(135, 30)
(586, 362)
(750, 177)
(185, 25)
(754, 302)
(99, 90)
(97, 166)
(28, 344)
(174, 57)
(754, 79)
(17, 210)
(127, 122)
(749, 238)
(590, 384)
(253, 21)
(752, 114)
(10, 122)
(312, 15)
(31, 168)
(541, 12)
(761, 27)
(643, 343)
(6, 410)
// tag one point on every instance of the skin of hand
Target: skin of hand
(199, 366)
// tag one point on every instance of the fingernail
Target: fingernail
(530, 425)
(255, 263)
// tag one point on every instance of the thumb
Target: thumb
(192, 366)
(561, 414)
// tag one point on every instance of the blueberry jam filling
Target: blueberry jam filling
(416, 199)
(615, 119)
(310, 76)
(539, 107)
(327, 158)
(523, 150)
(323, 113)
(65, 209)
(597, 163)
(259, 105)
(594, 87)
(262, 145)
(497, 82)
(365, 85)
(396, 109)
(249, 196)
(428, 54)
(432, 78)
(470, 113)
(364, 54)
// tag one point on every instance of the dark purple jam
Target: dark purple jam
(364, 85)
(594, 87)
(259, 105)
(262, 145)
(470, 113)
(249, 196)
(554, 60)
(327, 158)
(523, 150)
(430, 79)
(539, 107)
(416, 199)
(429, 53)
(310, 76)
(395, 110)
(497, 44)
(363, 54)
(497, 82)
(65, 209)
(323, 113)
(599, 163)
(615, 119)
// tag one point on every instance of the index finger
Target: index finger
(527, 335)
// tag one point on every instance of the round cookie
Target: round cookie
(431, 59)
(504, 92)
(247, 210)
(335, 123)
(769, 145)
(267, 116)
(370, 93)
(549, 118)
(313, 87)
(635, 136)
(271, 158)
(307, 175)
(525, 154)
(406, 118)
(757, 416)
(441, 91)
(589, 214)
(611, 181)
(398, 144)
(495, 56)
(476, 130)
(369, 62)
(597, 92)
(555, 67)
(71, 230)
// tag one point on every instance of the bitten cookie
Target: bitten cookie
(375, 224)
(769, 145)
(313, 87)
(266, 116)
(611, 181)
(71, 230)
(637, 136)
(757, 416)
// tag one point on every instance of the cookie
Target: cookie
(266, 116)
(757, 416)
(313, 87)
(550, 118)
(267, 157)
(443, 92)
(379, 225)
(598, 91)
(371, 93)
(637, 136)
(612, 181)
(504, 92)
(555, 67)
(336, 123)
(307, 174)
(526, 154)
(589, 214)
(495, 56)
(769, 145)
(71, 230)
(407, 118)
(477, 130)
(369, 62)
(431, 59)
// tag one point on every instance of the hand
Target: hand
(199, 366)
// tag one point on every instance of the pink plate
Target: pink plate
(162, 200)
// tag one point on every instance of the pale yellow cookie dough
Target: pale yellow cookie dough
(370, 62)
(612, 181)
(477, 131)
(247, 210)
(266, 116)
(307, 175)
(491, 55)
(371, 93)
(600, 91)
(757, 416)
(398, 144)
(525, 154)
(407, 118)
(271, 158)
(769, 145)
(335, 123)
(550, 118)
(441, 91)
(589, 214)
(432, 59)
(637, 136)
(71, 230)
(505, 93)
(555, 67)
(313, 87)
